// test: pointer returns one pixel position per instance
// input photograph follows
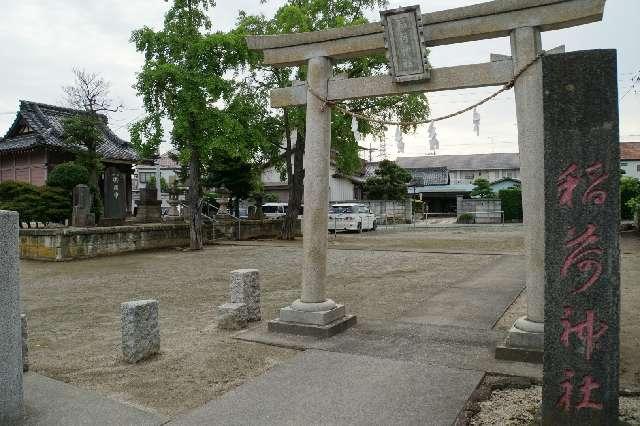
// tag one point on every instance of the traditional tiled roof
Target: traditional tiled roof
(429, 176)
(630, 151)
(46, 124)
(462, 162)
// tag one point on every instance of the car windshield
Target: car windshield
(270, 209)
(341, 209)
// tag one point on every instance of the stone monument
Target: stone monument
(582, 253)
(115, 196)
(82, 202)
(245, 288)
(149, 208)
(11, 393)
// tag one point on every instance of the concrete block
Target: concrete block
(323, 331)
(232, 316)
(245, 288)
(316, 318)
(140, 330)
(11, 390)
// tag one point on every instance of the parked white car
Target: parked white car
(351, 217)
(278, 210)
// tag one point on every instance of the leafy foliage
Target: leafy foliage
(35, 204)
(511, 199)
(68, 175)
(312, 15)
(629, 189)
(482, 189)
(188, 79)
(466, 218)
(389, 183)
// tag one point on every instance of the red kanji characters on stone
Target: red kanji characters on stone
(567, 183)
(571, 177)
(596, 176)
(589, 384)
(585, 253)
(583, 330)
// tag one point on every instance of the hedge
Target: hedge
(35, 204)
(511, 203)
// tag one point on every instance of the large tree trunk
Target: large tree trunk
(195, 203)
(296, 188)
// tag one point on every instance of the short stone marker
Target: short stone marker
(82, 201)
(582, 213)
(232, 316)
(11, 391)
(25, 345)
(140, 330)
(245, 288)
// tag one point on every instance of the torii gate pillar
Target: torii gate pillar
(526, 337)
(314, 314)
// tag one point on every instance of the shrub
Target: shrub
(466, 218)
(68, 175)
(511, 199)
(33, 204)
(629, 189)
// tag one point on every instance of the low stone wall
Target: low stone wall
(61, 244)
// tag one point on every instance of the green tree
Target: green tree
(313, 15)
(84, 132)
(68, 175)
(629, 189)
(482, 189)
(389, 183)
(186, 79)
(511, 201)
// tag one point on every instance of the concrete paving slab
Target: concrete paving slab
(50, 402)
(478, 308)
(318, 387)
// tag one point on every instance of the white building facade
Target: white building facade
(630, 158)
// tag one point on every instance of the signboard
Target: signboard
(582, 253)
(404, 41)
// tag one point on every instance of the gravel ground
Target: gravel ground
(74, 310)
(511, 407)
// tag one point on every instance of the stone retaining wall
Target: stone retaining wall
(61, 244)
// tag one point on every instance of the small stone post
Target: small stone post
(25, 342)
(140, 330)
(11, 393)
(582, 249)
(245, 289)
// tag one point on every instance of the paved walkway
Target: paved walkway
(420, 369)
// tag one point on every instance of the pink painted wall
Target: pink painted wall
(27, 167)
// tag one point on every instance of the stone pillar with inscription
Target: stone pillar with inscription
(581, 233)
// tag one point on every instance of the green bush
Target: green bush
(629, 189)
(68, 175)
(466, 218)
(511, 199)
(35, 204)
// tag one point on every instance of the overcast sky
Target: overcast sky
(43, 40)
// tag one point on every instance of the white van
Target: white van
(274, 210)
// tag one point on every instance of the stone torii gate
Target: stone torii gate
(521, 20)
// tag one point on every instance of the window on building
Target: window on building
(638, 168)
(468, 176)
(144, 177)
(624, 164)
